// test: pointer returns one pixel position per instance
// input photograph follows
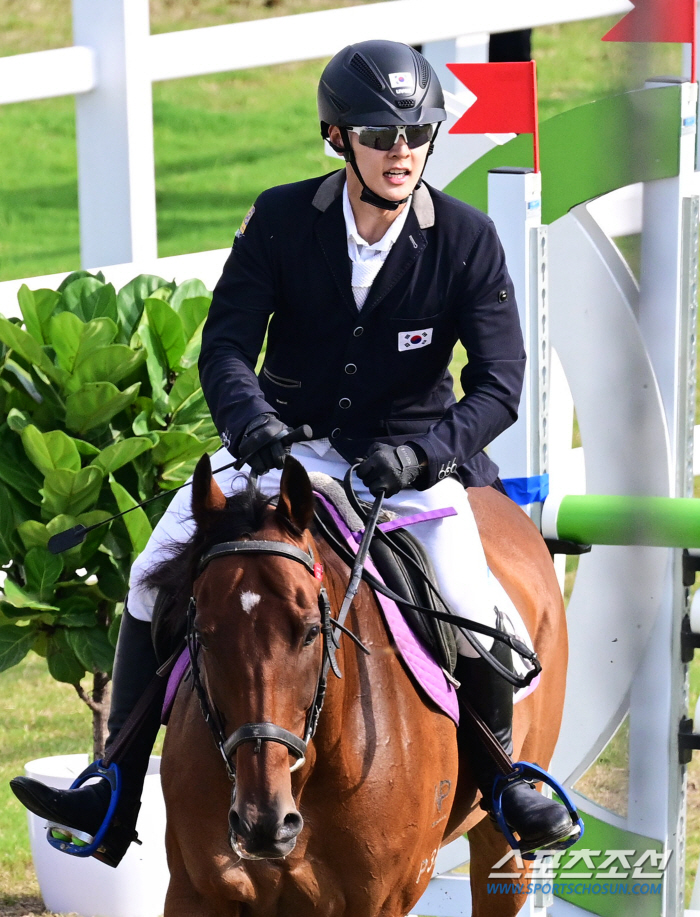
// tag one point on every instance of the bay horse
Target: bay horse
(355, 830)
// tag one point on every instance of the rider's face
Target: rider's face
(392, 174)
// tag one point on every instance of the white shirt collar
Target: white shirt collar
(389, 237)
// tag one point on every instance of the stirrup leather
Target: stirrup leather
(524, 771)
(79, 843)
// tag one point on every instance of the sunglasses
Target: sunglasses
(384, 138)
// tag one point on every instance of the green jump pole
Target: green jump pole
(670, 522)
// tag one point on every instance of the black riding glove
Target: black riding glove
(389, 469)
(260, 444)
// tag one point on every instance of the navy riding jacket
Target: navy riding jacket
(378, 375)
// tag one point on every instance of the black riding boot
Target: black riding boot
(85, 807)
(539, 822)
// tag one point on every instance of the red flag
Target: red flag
(506, 100)
(656, 20)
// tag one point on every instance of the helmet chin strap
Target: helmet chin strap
(368, 196)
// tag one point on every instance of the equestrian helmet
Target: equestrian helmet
(379, 83)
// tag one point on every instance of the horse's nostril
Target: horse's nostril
(235, 823)
(291, 826)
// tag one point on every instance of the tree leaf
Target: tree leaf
(112, 578)
(192, 411)
(17, 420)
(193, 348)
(17, 597)
(9, 545)
(62, 661)
(188, 289)
(77, 611)
(178, 453)
(30, 350)
(193, 312)
(89, 298)
(164, 322)
(15, 470)
(85, 448)
(114, 627)
(41, 571)
(130, 300)
(25, 298)
(77, 275)
(92, 647)
(71, 492)
(50, 451)
(37, 308)
(15, 643)
(136, 522)
(34, 534)
(186, 384)
(119, 454)
(106, 364)
(75, 340)
(96, 403)
(156, 364)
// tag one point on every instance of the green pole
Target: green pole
(670, 522)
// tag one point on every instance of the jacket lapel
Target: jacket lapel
(332, 237)
(404, 253)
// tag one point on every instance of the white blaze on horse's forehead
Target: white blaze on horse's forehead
(249, 600)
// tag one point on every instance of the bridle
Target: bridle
(266, 732)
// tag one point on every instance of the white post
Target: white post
(465, 49)
(667, 314)
(116, 181)
(516, 208)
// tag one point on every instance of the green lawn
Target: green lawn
(220, 140)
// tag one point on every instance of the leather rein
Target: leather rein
(266, 732)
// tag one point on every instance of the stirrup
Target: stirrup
(79, 843)
(524, 771)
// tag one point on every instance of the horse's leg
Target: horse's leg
(182, 898)
(488, 847)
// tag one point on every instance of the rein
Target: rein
(266, 732)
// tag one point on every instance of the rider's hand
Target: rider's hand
(389, 469)
(260, 444)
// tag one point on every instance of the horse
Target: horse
(351, 825)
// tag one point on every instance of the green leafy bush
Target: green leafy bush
(101, 408)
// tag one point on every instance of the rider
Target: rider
(368, 277)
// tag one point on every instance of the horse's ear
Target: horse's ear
(296, 502)
(207, 496)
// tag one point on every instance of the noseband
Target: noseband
(263, 732)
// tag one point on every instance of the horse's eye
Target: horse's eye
(312, 634)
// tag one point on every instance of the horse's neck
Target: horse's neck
(367, 694)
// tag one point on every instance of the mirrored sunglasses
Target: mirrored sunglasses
(384, 138)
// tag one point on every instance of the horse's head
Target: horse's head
(258, 622)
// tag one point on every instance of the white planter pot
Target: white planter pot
(84, 886)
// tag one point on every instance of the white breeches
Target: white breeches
(452, 543)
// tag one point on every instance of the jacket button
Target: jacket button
(351, 369)
(335, 433)
(344, 403)
(358, 331)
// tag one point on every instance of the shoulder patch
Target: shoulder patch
(246, 220)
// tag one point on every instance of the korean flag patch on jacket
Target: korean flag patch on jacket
(412, 340)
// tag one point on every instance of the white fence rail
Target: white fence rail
(115, 60)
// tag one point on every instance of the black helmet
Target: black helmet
(379, 83)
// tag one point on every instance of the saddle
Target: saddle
(401, 561)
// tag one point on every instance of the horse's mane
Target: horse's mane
(244, 515)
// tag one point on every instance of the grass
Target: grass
(221, 139)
